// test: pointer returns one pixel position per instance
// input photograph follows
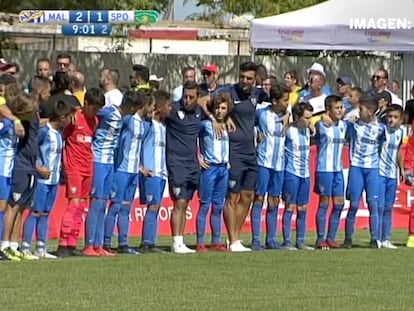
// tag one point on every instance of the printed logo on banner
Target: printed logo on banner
(291, 35)
(377, 36)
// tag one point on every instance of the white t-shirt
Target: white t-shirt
(178, 93)
(352, 114)
(113, 98)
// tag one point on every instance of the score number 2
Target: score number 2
(87, 29)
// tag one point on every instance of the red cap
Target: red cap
(211, 68)
(5, 65)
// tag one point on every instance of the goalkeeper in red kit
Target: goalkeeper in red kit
(409, 180)
(78, 169)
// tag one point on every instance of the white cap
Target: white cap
(316, 67)
(155, 78)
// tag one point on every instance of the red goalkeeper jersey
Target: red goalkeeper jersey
(77, 154)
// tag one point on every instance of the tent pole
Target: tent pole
(253, 54)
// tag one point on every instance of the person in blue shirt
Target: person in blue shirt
(391, 169)
(214, 161)
(24, 177)
(183, 126)
(7, 152)
(271, 161)
(329, 182)
(103, 147)
(126, 176)
(49, 163)
(365, 137)
(154, 170)
(296, 184)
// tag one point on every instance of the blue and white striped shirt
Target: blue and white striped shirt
(50, 153)
(330, 142)
(107, 134)
(128, 151)
(297, 150)
(214, 150)
(388, 163)
(365, 143)
(270, 152)
(153, 149)
(8, 142)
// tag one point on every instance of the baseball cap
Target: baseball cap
(155, 78)
(344, 81)
(385, 96)
(4, 65)
(211, 68)
(316, 67)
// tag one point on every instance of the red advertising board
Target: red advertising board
(405, 198)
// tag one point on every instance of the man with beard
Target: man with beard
(243, 164)
(108, 81)
(210, 75)
(139, 79)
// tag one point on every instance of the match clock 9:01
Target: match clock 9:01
(87, 30)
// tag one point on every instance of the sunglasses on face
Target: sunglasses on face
(207, 73)
(375, 77)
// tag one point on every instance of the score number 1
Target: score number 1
(93, 30)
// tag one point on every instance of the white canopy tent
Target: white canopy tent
(326, 26)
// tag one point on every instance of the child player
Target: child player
(154, 170)
(390, 168)
(48, 167)
(78, 169)
(24, 179)
(354, 97)
(271, 161)
(214, 162)
(7, 153)
(329, 182)
(103, 148)
(8, 144)
(365, 136)
(409, 181)
(296, 185)
(127, 165)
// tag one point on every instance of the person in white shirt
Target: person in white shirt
(380, 83)
(189, 75)
(108, 81)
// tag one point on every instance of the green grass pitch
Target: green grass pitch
(357, 279)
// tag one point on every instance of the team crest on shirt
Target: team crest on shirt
(112, 195)
(73, 190)
(93, 190)
(254, 101)
(176, 191)
(374, 131)
(181, 114)
(150, 197)
(16, 196)
(232, 183)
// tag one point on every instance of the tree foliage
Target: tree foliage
(259, 8)
(13, 6)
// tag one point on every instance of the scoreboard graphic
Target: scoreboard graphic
(87, 23)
